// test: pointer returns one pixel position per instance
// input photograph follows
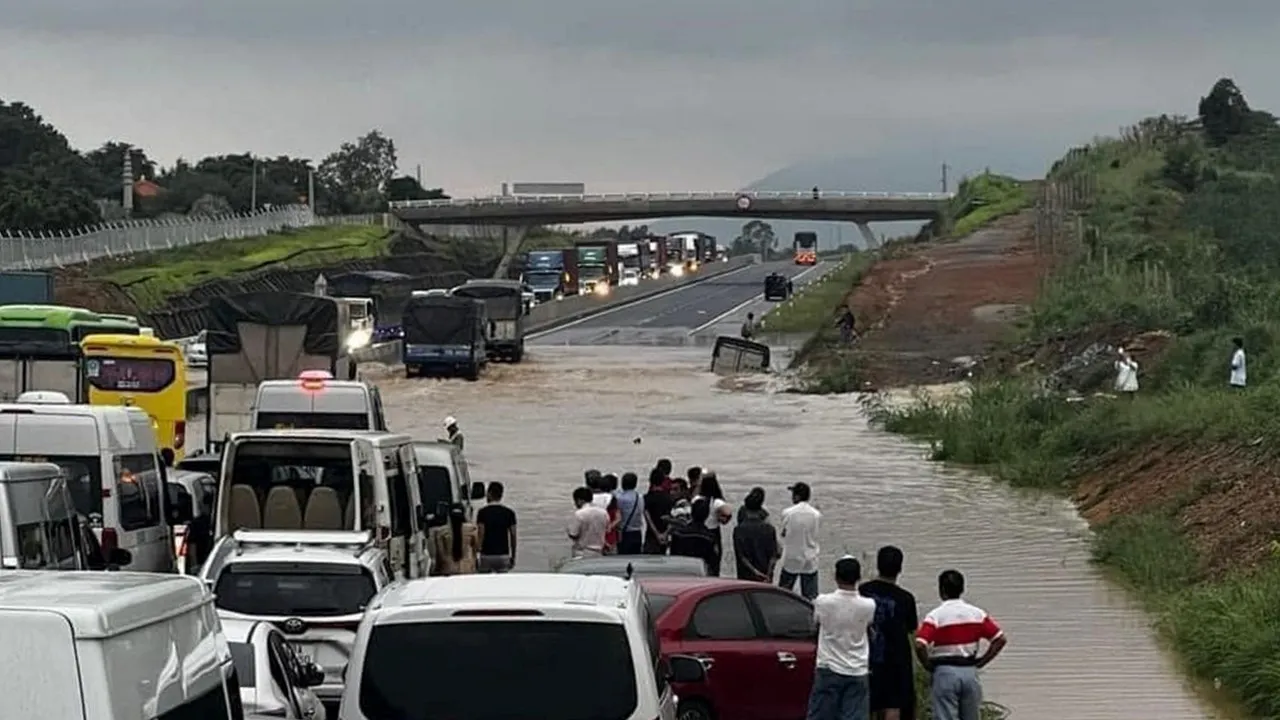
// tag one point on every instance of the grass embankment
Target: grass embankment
(1180, 236)
(984, 198)
(151, 277)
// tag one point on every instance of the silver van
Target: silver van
(39, 526)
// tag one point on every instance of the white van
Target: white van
(316, 400)
(512, 647)
(326, 480)
(443, 479)
(39, 528)
(113, 470)
(105, 646)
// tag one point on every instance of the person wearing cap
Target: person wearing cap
(800, 524)
(841, 688)
(455, 435)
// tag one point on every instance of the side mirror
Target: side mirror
(118, 558)
(477, 491)
(180, 507)
(685, 669)
(312, 676)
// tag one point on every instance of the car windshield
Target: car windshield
(294, 589)
(242, 658)
(523, 660)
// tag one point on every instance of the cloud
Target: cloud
(659, 95)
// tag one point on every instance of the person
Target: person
(497, 527)
(841, 690)
(1126, 374)
(658, 504)
(595, 481)
(755, 541)
(816, 193)
(800, 524)
(848, 326)
(720, 512)
(454, 545)
(695, 540)
(168, 456)
(1239, 369)
(948, 643)
(455, 435)
(588, 526)
(608, 485)
(893, 695)
(695, 479)
(682, 508)
(631, 511)
(664, 468)
(749, 326)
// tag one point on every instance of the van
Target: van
(443, 479)
(511, 647)
(193, 540)
(316, 400)
(113, 469)
(103, 646)
(326, 480)
(39, 526)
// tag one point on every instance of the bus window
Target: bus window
(114, 374)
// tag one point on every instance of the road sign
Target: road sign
(549, 188)
(744, 202)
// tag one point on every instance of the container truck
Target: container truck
(597, 266)
(547, 272)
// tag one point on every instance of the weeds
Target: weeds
(985, 198)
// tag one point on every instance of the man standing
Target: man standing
(455, 435)
(588, 525)
(748, 329)
(948, 644)
(800, 524)
(658, 503)
(497, 525)
(755, 541)
(840, 688)
(893, 689)
(631, 514)
(1239, 369)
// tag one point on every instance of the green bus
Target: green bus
(40, 346)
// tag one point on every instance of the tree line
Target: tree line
(46, 185)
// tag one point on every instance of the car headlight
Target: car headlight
(677, 271)
(358, 339)
(601, 289)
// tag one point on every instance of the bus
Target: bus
(805, 246)
(39, 348)
(142, 372)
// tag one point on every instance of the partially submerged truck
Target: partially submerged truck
(504, 305)
(444, 334)
(547, 273)
(257, 337)
(597, 266)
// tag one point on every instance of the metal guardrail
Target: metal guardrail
(665, 196)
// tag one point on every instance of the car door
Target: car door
(787, 622)
(418, 538)
(723, 633)
(302, 697)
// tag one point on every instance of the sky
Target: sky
(659, 95)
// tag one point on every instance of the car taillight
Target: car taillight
(109, 542)
(179, 434)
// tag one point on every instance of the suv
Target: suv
(313, 585)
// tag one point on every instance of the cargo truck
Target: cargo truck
(657, 255)
(505, 307)
(547, 273)
(597, 266)
(445, 334)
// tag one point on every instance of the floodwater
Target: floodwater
(1079, 647)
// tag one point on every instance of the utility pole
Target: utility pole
(253, 188)
(126, 182)
(311, 189)
(419, 174)
(945, 168)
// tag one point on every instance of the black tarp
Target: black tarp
(318, 314)
(502, 300)
(441, 320)
(362, 284)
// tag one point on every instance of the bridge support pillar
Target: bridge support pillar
(512, 238)
(868, 235)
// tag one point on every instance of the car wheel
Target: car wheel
(694, 710)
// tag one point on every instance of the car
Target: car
(197, 351)
(630, 277)
(639, 566)
(273, 681)
(757, 642)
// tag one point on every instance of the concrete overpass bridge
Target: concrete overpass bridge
(515, 213)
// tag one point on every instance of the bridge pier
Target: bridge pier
(868, 235)
(512, 239)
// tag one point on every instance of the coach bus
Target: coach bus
(142, 372)
(805, 246)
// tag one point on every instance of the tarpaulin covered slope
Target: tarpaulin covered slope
(319, 315)
(441, 320)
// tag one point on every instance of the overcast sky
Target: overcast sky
(628, 96)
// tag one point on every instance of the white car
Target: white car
(197, 351)
(629, 277)
(273, 682)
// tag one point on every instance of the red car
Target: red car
(757, 642)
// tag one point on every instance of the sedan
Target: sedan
(273, 681)
(197, 352)
(757, 642)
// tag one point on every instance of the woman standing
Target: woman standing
(455, 546)
(721, 512)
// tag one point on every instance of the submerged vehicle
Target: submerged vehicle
(445, 334)
(505, 307)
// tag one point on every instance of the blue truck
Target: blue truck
(444, 335)
(547, 273)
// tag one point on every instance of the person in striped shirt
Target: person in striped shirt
(949, 645)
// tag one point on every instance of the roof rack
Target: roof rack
(330, 538)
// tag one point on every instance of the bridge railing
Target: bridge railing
(665, 196)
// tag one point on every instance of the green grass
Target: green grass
(153, 276)
(814, 306)
(985, 198)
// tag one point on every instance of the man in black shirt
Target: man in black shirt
(755, 540)
(497, 526)
(658, 503)
(695, 540)
(892, 667)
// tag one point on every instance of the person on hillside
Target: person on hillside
(749, 327)
(1239, 369)
(1126, 374)
(893, 695)
(948, 644)
(497, 526)
(755, 540)
(848, 326)
(841, 690)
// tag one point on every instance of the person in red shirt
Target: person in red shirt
(608, 484)
(949, 645)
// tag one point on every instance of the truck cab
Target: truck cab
(316, 400)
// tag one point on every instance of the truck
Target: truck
(804, 247)
(254, 337)
(504, 304)
(597, 266)
(547, 272)
(657, 255)
(443, 333)
(18, 287)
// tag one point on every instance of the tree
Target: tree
(407, 187)
(44, 184)
(757, 236)
(355, 177)
(107, 163)
(1224, 113)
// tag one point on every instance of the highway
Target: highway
(689, 315)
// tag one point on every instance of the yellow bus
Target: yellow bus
(142, 371)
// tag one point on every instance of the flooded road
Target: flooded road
(1079, 647)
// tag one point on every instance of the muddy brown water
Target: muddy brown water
(1080, 648)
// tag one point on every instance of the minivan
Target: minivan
(316, 400)
(39, 526)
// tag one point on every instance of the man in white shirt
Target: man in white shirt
(1239, 370)
(588, 526)
(800, 543)
(841, 690)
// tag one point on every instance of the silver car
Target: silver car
(273, 682)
